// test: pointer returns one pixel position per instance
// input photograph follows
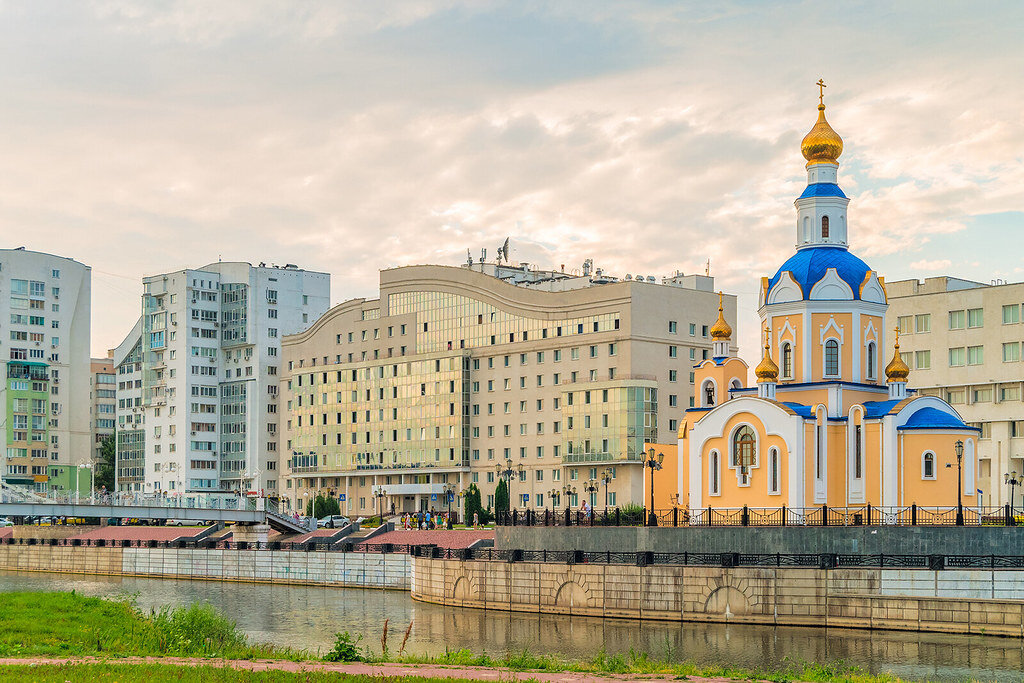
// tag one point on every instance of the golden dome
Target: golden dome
(767, 370)
(896, 370)
(720, 331)
(821, 144)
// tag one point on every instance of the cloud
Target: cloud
(942, 264)
(350, 137)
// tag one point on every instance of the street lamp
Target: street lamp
(958, 447)
(606, 478)
(92, 482)
(449, 495)
(507, 473)
(591, 487)
(653, 461)
(381, 494)
(1013, 481)
(568, 491)
(553, 497)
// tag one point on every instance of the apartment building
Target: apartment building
(460, 375)
(962, 341)
(103, 392)
(130, 461)
(210, 356)
(47, 368)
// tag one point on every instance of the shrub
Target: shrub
(345, 648)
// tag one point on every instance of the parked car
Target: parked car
(5, 522)
(337, 521)
(180, 522)
(322, 522)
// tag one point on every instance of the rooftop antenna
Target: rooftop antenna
(469, 257)
(483, 255)
(707, 268)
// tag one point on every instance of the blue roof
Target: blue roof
(876, 409)
(933, 418)
(799, 408)
(822, 190)
(808, 266)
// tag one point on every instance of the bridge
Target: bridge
(15, 502)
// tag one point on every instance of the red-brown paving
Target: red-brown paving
(6, 532)
(319, 533)
(442, 538)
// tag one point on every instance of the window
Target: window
(975, 355)
(831, 358)
(672, 374)
(957, 320)
(858, 453)
(673, 327)
(905, 323)
(1011, 314)
(1011, 352)
(773, 472)
(871, 361)
(957, 357)
(1016, 429)
(981, 396)
(923, 360)
(673, 352)
(1009, 394)
(954, 396)
(787, 361)
(923, 323)
(743, 442)
(975, 317)
(824, 227)
(928, 465)
(713, 474)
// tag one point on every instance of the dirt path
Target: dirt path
(429, 670)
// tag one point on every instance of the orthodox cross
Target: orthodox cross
(821, 90)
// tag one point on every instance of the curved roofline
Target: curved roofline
(331, 314)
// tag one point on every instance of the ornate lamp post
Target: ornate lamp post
(507, 471)
(568, 491)
(381, 494)
(1013, 481)
(606, 478)
(449, 495)
(591, 487)
(653, 461)
(958, 447)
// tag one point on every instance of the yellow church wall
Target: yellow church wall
(837, 462)
(877, 323)
(809, 437)
(666, 480)
(808, 397)
(793, 332)
(940, 491)
(755, 494)
(722, 375)
(872, 463)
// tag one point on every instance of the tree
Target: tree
(473, 505)
(323, 506)
(501, 500)
(105, 467)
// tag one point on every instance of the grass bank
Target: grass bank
(70, 624)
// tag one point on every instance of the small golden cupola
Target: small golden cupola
(896, 372)
(721, 333)
(767, 372)
(821, 144)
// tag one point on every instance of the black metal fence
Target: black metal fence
(640, 559)
(862, 515)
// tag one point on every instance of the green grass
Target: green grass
(70, 624)
(147, 673)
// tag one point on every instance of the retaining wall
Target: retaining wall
(364, 570)
(916, 600)
(852, 540)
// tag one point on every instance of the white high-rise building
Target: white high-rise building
(210, 348)
(129, 471)
(45, 394)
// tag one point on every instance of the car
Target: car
(322, 522)
(337, 521)
(5, 522)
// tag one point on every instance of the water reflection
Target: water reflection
(308, 617)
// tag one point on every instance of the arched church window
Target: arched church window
(824, 227)
(787, 360)
(871, 361)
(928, 466)
(713, 478)
(774, 475)
(807, 228)
(831, 358)
(743, 442)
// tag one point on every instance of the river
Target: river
(308, 617)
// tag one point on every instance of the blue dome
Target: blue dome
(822, 190)
(808, 266)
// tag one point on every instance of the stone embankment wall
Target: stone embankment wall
(364, 570)
(788, 540)
(987, 601)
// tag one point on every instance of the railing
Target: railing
(862, 515)
(640, 559)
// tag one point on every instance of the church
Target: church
(825, 424)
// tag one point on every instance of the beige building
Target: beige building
(103, 392)
(464, 375)
(962, 341)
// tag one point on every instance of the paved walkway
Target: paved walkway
(474, 673)
(442, 538)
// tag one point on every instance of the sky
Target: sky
(347, 137)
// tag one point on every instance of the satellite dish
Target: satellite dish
(504, 249)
